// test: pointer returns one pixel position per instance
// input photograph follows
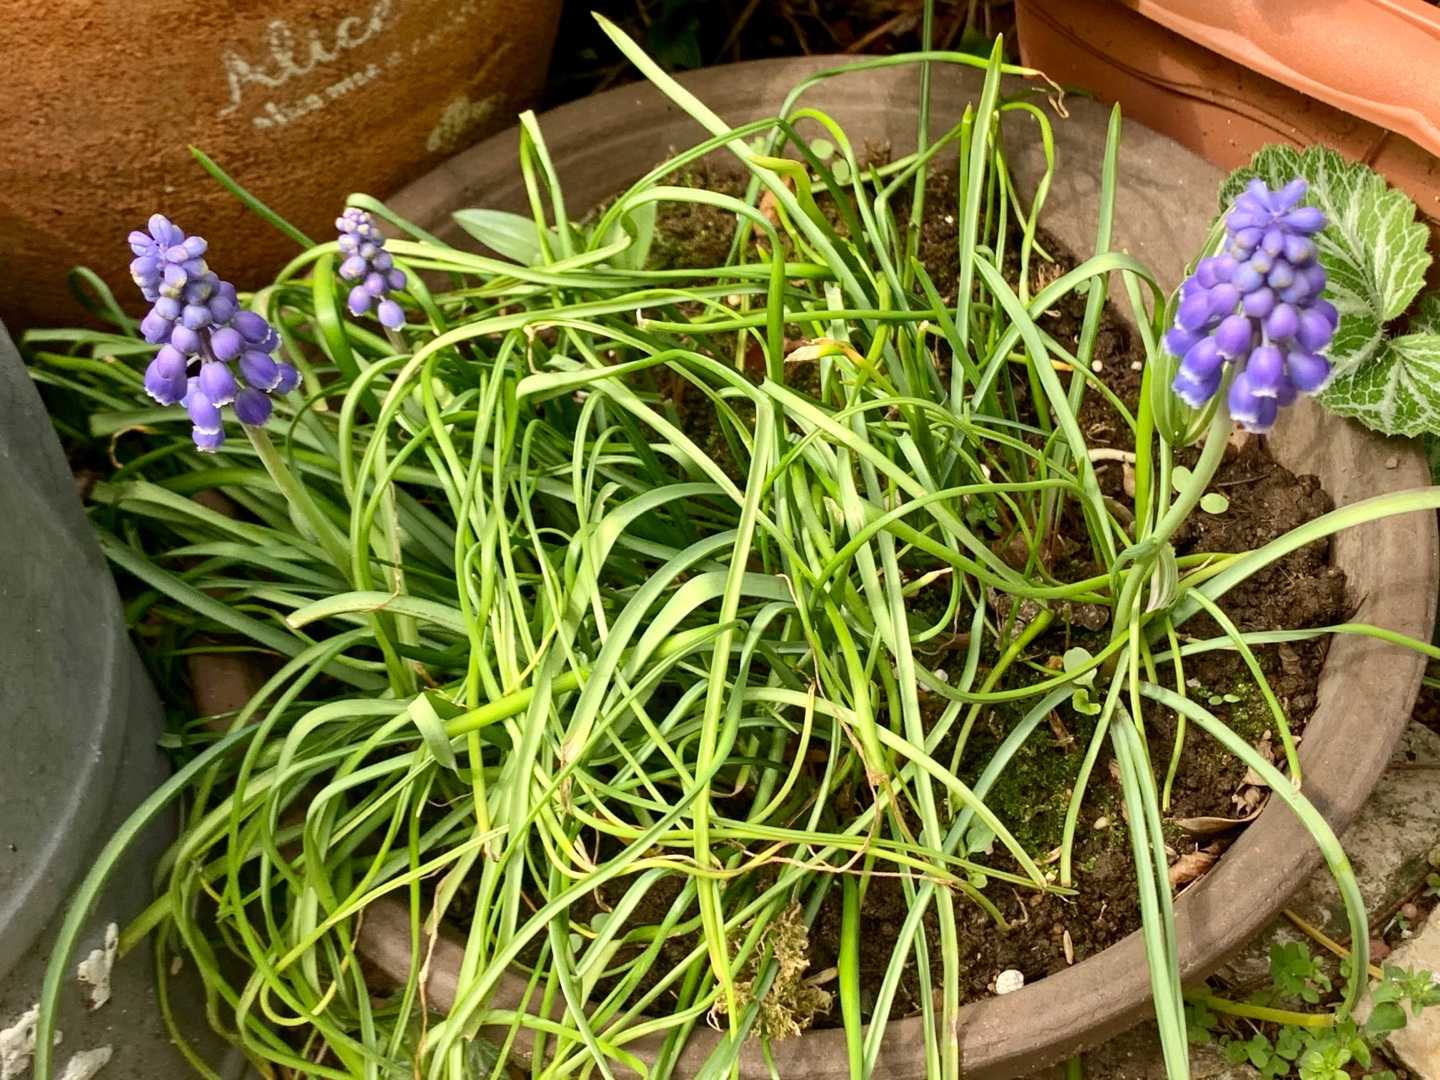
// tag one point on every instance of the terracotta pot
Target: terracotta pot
(1225, 77)
(303, 102)
(1165, 205)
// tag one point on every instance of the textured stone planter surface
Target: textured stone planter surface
(1166, 202)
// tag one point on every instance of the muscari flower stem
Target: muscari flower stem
(1144, 553)
(1190, 494)
(312, 522)
(308, 517)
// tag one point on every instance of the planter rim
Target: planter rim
(601, 143)
(1391, 85)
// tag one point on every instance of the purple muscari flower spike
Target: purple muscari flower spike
(252, 406)
(208, 441)
(1309, 373)
(390, 314)
(259, 370)
(370, 267)
(197, 322)
(360, 300)
(1266, 371)
(204, 413)
(1195, 391)
(1258, 304)
(165, 377)
(217, 381)
(289, 378)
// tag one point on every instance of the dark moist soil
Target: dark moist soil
(1047, 933)
(1427, 708)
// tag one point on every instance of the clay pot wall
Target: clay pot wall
(1225, 77)
(303, 102)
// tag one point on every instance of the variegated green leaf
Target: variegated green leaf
(1426, 319)
(1398, 392)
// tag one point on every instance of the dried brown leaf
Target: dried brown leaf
(1189, 867)
(1211, 826)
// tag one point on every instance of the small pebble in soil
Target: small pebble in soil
(1008, 981)
(1409, 912)
(1096, 366)
(1378, 949)
(1102, 823)
(1392, 463)
(942, 675)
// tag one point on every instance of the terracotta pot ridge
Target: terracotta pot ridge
(1394, 85)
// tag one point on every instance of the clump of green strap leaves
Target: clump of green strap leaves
(561, 650)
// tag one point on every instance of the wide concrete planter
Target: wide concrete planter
(1225, 77)
(303, 101)
(1166, 202)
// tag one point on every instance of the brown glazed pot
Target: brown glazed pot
(1225, 77)
(1166, 201)
(303, 101)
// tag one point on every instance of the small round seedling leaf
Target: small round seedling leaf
(824, 149)
(1179, 477)
(1076, 658)
(1214, 503)
(979, 839)
(842, 172)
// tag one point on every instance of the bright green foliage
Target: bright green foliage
(1296, 974)
(1290, 1049)
(1272, 1059)
(1400, 987)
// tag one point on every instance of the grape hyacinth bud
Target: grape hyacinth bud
(197, 322)
(1258, 304)
(369, 265)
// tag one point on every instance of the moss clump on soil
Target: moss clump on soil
(791, 1004)
(695, 235)
(1032, 795)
